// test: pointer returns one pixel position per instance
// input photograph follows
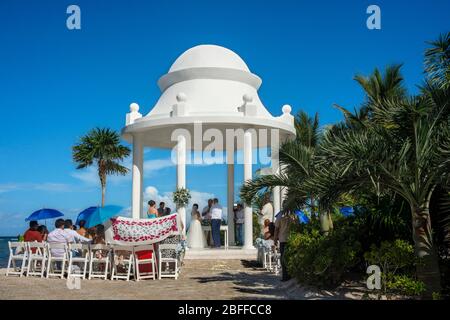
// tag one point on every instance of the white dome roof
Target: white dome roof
(204, 56)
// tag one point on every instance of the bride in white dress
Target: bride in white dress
(195, 237)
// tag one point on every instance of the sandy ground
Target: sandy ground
(200, 279)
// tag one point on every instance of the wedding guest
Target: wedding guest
(82, 231)
(72, 235)
(99, 237)
(152, 212)
(206, 212)
(216, 221)
(282, 228)
(58, 236)
(43, 231)
(240, 215)
(32, 234)
(167, 211)
(161, 209)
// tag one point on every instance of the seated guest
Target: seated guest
(99, 237)
(58, 236)
(167, 211)
(269, 232)
(72, 234)
(32, 234)
(43, 231)
(82, 231)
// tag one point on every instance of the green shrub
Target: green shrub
(396, 260)
(406, 285)
(392, 256)
(320, 260)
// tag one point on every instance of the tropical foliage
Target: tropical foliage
(101, 147)
(389, 159)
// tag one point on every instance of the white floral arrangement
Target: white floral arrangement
(181, 197)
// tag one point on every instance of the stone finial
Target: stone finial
(134, 107)
(180, 108)
(247, 98)
(133, 114)
(181, 97)
(286, 109)
(248, 108)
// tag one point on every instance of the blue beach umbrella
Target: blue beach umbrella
(44, 214)
(101, 214)
(302, 217)
(85, 214)
(347, 211)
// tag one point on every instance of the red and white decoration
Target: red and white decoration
(128, 231)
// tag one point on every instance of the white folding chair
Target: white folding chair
(99, 255)
(37, 258)
(78, 259)
(166, 262)
(123, 255)
(146, 261)
(17, 252)
(59, 260)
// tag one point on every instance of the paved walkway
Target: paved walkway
(200, 279)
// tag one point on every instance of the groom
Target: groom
(216, 220)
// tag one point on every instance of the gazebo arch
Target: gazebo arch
(210, 87)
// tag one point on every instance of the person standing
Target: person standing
(282, 228)
(152, 213)
(216, 221)
(240, 219)
(161, 209)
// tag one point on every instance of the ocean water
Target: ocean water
(4, 250)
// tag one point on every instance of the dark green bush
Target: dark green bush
(397, 261)
(316, 259)
(404, 284)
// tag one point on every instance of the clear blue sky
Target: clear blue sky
(56, 84)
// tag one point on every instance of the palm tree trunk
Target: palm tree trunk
(102, 176)
(326, 224)
(428, 268)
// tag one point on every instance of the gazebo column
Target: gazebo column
(284, 190)
(230, 203)
(181, 175)
(137, 176)
(248, 223)
(275, 163)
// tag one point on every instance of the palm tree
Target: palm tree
(437, 61)
(102, 147)
(297, 160)
(404, 149)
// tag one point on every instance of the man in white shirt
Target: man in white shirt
(216, 221)
(61, 235)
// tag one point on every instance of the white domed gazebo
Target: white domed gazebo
(211, 89)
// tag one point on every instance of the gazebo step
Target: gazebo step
(221, 254)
